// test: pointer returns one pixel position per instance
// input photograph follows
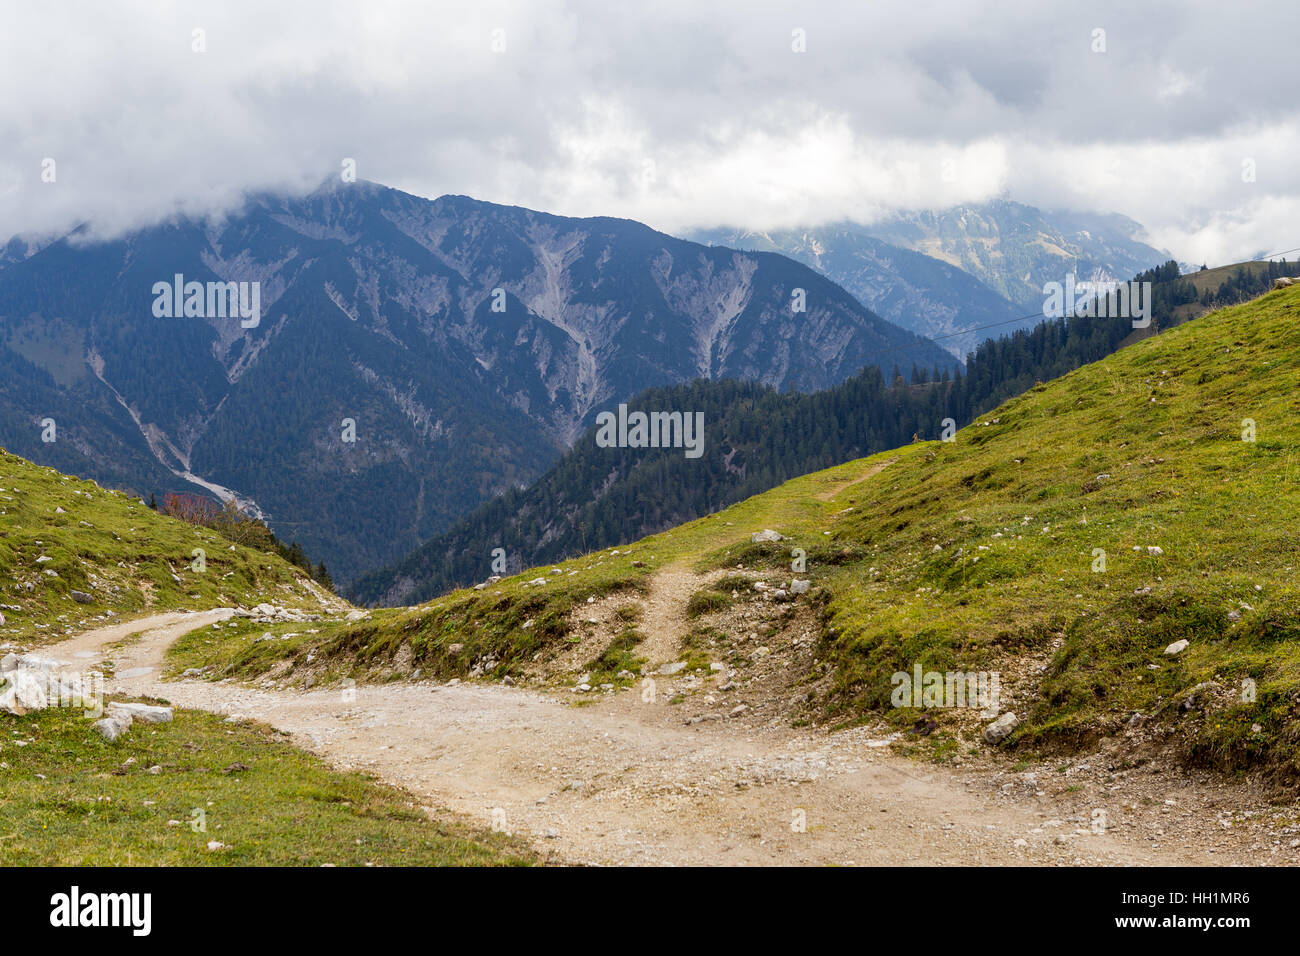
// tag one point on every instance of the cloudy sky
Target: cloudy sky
(680, 114)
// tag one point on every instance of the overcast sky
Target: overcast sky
(679, 114)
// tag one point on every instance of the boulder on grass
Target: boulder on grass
(111, 728)
(21, 692)
(1001, 728)
(145, 713)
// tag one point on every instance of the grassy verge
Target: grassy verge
(72, 798)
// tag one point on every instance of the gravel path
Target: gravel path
(619, 781)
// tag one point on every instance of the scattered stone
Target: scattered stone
(738, 710)
(145, 713)
(669, 669)
(699, 719)
(111, 728)
(1001, 728)
(1177, 647)
(455, 648)
(800, 587)
(767, 534)
(81, 597)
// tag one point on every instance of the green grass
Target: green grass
(707, 601)
(618, 658)
(72, 798)
(127, 557)
(984, 548)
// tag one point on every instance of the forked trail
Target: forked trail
(619, 780)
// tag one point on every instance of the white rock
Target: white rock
(673, 668)
(767, 534)
(20, 692)
(145, 713)
(1177, 647)
(800, 587)
(34, 662)
(1001, 728)
(111, 728)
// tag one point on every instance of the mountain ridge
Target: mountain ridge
(412, 358)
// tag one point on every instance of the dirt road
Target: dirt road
(619, 780)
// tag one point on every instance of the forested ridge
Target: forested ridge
(757, 438)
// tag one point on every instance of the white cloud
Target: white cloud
(680, 114)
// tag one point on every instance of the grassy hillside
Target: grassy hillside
(983, 550)
(73, 798)
(983, 554)
(60, 534)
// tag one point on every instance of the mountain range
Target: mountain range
(979, 266)
(411, 358)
